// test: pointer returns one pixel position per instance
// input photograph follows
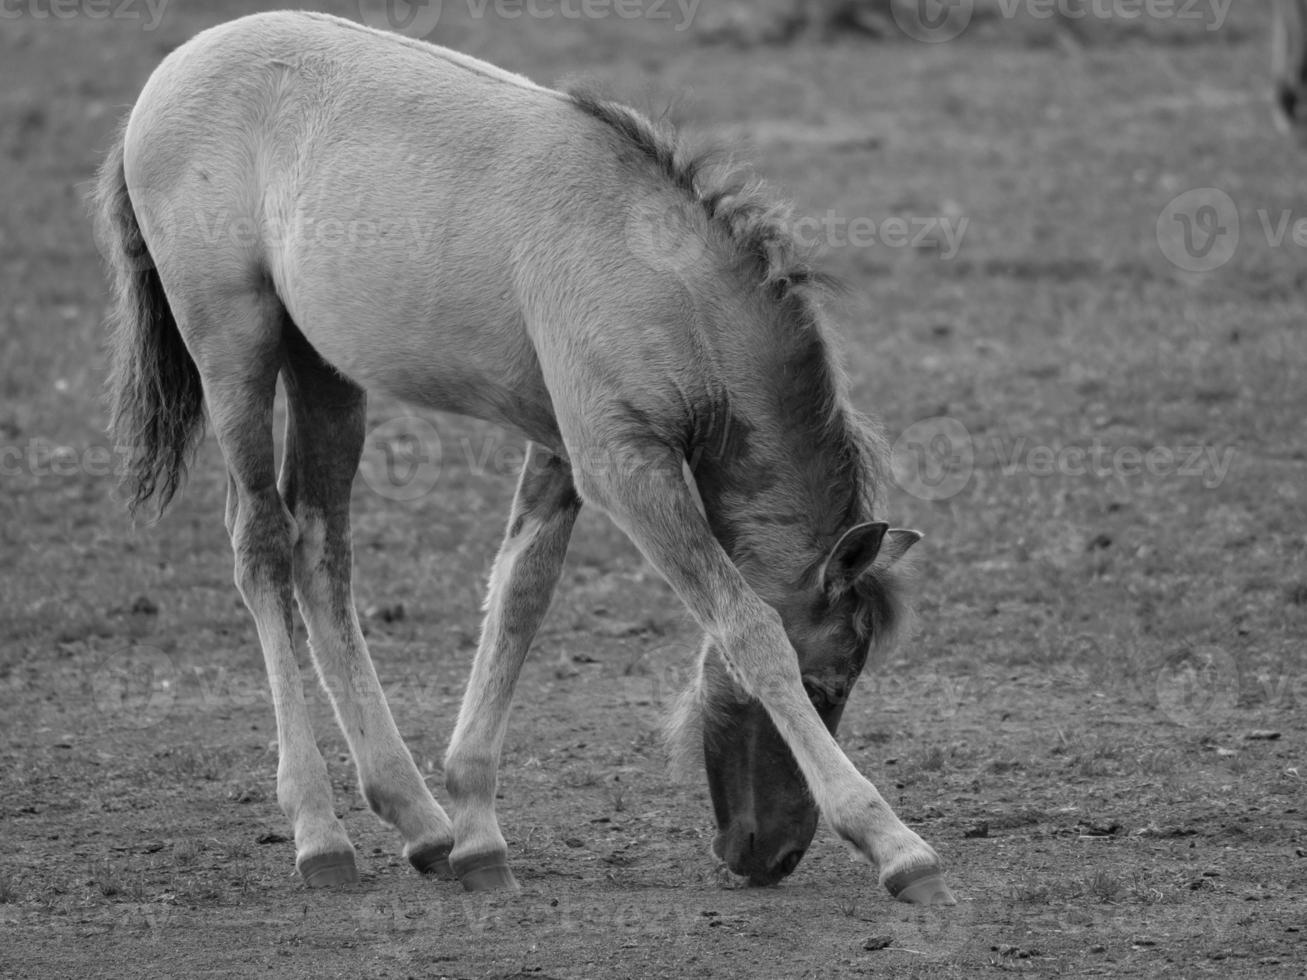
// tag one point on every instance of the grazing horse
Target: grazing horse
(295, 195)
(1289, 67)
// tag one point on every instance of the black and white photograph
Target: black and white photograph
(586, 489)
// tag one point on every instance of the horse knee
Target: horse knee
(263, 539)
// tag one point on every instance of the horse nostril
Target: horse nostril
(789, 862)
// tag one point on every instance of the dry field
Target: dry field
(1077, 283)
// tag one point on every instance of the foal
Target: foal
(549, 262)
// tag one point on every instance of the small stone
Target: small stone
(978, 829)
(1098, 948)
(143, 605)
(872, 943)
(574, 842)
(1262, 735)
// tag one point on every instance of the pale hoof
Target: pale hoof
(920, 886)
(432, 859)
(488, 873)
(328, 870)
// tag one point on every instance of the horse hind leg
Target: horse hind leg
(522, 583)
(235, 344)
(324, 440)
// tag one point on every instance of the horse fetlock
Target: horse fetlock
(324, 855)
(431, 858)
(327, 869)
(484, 870)
(915, 875)
(427, 831)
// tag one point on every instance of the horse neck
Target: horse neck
(774, 488)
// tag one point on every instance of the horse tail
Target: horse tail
(156, 398)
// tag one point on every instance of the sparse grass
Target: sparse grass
(1104, 886)
(1159, 762)
(1030, 891)
(10, 887)
(581, 777)
(185, 852)
(119, 881)
(933, 760)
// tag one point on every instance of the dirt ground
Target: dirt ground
(1098, 720)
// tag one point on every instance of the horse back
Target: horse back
(435, 226)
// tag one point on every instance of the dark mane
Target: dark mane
(759, 228)
(737, 203)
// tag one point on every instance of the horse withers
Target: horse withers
(297, 196)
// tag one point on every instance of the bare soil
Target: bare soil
(1099, 720)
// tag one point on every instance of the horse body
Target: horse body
(349, 210)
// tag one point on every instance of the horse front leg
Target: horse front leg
(522, 583)
(655, 507)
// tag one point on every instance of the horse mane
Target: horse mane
(737, 203)
(760, 231)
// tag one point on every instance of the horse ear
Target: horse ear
(853, 554)
(897, 542)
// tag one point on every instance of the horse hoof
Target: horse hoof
(432, 859)
(492, 876)
(920, 886)
(328, 870)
